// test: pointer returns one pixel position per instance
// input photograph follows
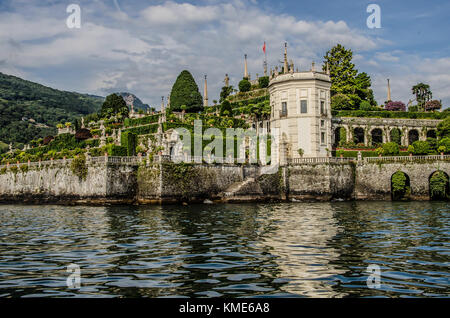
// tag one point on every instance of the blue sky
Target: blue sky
(141, 46)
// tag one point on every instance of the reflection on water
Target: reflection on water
(276, 250)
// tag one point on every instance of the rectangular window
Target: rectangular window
(322, 107)
(322, 138)
(303, 106)
(283, 109)
(322, 123)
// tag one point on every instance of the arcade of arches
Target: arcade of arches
(376, 131)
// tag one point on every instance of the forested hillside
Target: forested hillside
(29, 110)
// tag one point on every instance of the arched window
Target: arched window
(439, 186)
(413, 135)
(400, 186)
(377, 136)
(431, 133)
(396, 136)
(358, 135)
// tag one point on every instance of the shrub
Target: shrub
(391, 149)
(433, 105)
(78, 167)
(365, 105)
(395, 106)
(226, 107)
(438, 186)
(47, 140)
(444, 145)
(421, 147)
(413, 108)
(400, 187)
(263, 81)
(116, 151)
(129, 140)
(244, 85)
(443, 128)
(341, 102)
(83, 134)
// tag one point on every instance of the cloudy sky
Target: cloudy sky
(140, 46)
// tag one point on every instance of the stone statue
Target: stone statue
(227, 80)
(10, 147)
(82, 122)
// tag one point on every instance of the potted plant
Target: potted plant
(301, 152)
(411, 150)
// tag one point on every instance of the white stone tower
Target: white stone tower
(301, 115)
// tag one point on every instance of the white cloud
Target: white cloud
(144, 51)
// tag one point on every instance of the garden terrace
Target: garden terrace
(373, 131)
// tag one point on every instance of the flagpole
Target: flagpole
(265, 59)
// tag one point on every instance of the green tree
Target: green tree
(114, 105)
(443, 128)
(226, 91)
(439, 186)
(263, 81)
(423, 94)
(421, 147)
(225, 109)
(345, 79)
(185, 92)
(391, 149)
(244, 85)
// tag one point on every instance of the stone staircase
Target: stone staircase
(247, 189)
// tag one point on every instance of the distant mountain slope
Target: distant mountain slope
(138, 104)
(29, 110)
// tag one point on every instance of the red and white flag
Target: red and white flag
(264, 48)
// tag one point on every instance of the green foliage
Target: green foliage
(365, 105)
(144, 130)
(444, 145)
(129, 140)
(391, 149)
(388, 114)
(423, 94)
(130, 122)
(400, 186)
(225, 109)
(225, 92)
(244, 85)
(185, 92)
(342, 135)
(40, 107)
(114, 105)
(263, 81)
(421, 147)
(78, 167)
(300, 152)
(443, 129)
(345, 78)
(396, 136)
(116, 151)
(439, 186)
(341, 102)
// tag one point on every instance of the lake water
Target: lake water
(271, 250)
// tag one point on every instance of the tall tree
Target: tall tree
(423, 94)
(185, 92)
(114, 105)
(345, 79)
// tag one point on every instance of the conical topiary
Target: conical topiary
(185, 92)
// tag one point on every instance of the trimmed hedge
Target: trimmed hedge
(129, 141)
(143, 130)
(390, 114)
(129, 122)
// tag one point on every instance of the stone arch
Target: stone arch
(338, 135)
(358, 135)
(438, 183)
(396, 135)
(431, 133)
(400, 186)
(377, 136)
(413, 135)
